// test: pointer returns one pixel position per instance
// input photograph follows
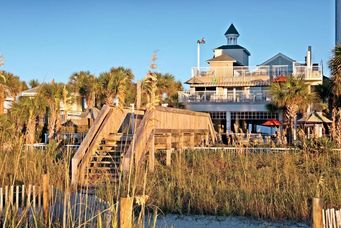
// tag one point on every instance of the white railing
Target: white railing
(237, 96)
(237, 71)
(308, 72)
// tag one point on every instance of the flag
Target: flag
(202, 41)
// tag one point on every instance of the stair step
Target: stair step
(106, 156)
(95, 169)
(105, 162)
(118, 137)
(106, 146)
(112, 176)
(111, 152)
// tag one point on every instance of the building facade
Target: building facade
(235, 93)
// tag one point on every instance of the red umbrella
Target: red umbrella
(281, 78)
(272, 123)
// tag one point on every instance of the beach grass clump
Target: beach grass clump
(261, 185)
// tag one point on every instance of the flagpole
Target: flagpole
(198, 60)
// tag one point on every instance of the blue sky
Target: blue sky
(52, 39)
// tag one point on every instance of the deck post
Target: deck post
(317, 213)
(74, 172)
(191, 140)
(206, 138)
(46, 198)
(181, 140)
(126, 210)
(169, 149)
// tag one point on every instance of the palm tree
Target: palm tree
(52, 94)
(168, 88)
(26, 112)
(67, 100)
(335, 70)
(34, 83)
(292, 96)
(113, 85)
(85, 84)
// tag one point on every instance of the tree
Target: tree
(335, 70)
(26, 112)
(85, 84)
(168, 88)
(52, 93)
(34, 83)
(114, 84)
(67, 100)
(10, 85)
(292, 96)
(13, 84)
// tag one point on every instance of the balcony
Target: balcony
(235, 96)
(247, 73)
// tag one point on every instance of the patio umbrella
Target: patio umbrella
(272, 123)
(281, 78)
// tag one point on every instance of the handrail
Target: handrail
(91, 133)
(161, 118)
(140, 137)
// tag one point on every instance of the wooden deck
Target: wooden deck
(117, 136)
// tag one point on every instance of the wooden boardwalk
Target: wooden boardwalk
(119, 136)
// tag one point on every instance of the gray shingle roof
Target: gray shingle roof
(233, 47)
(232, 30)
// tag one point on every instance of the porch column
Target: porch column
(228, 122)
(234, 95)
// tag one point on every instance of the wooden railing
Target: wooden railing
(109, 120)
(166, 118)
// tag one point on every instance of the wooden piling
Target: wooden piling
(317, 213)
(126, 212)
(169, 149)
(46, 197)
(168, 157)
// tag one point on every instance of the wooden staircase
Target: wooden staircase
(98, 157)
(104, 164)
(107, 148)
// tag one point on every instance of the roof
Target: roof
(223, 57)
(277, 56)
(315, 117)
(29, 92)
(194, 80)
(233, 47)
(231, 30)
(224, 81)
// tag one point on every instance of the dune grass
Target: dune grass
(264, 185)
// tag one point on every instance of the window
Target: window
(253, 115)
